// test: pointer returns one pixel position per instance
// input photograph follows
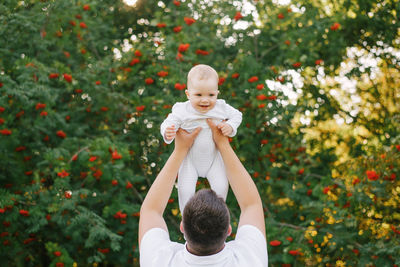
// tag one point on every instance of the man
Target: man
(205, 223)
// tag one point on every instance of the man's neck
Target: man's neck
(192, 251)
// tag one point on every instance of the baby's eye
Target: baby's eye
(197, 94)
(212, 95)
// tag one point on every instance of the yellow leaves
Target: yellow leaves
(175, 212)
(381, 233)
(396, 216)
(326, 240)
(284, 201)
(330, 220)
(340, 263)
(373, 213)
(335, 173)
(370, 213)
(310, 232)
(351, 14)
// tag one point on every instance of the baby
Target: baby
(203, 159)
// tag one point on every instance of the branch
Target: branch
(173, 222)
(137, 194)
(256, 47)
(77, 153)
(270, 49)
(296, 227)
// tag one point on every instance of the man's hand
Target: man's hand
(218, 136)
(170, 133)
(184, 140)
(225, 128)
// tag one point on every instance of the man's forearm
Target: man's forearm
(240, 181)
(159, 193)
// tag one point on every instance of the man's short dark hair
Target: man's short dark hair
(206, 222)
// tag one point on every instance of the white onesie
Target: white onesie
(203, 158)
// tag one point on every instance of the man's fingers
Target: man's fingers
(211, 123)
(196, 132)
(182, 131)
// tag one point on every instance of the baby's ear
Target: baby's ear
(187, 94)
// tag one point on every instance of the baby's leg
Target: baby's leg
(217, 177)
(187, 178)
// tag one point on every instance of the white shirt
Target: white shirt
(248, 249)
(184, 116)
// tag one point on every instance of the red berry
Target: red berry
(57, 253)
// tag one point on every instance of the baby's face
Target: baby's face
(203, 95)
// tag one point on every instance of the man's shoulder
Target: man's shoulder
(249, 231)
(156, 248)
(249, 239)
(249, 247)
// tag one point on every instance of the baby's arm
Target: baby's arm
(234, 118)
(170, 133)
(225, 128)
(170, 125)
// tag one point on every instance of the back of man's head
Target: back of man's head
(206, 222)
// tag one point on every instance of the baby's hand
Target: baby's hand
(170, 133)
(225, 128)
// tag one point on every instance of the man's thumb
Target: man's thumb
(211, 123)
(196, 131)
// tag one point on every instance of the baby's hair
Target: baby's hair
(201, 72)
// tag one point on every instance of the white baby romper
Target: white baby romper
(203, 158)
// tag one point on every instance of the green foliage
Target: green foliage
(79, 121)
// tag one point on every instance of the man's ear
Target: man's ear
(229, 230)
(187, 94)
(182, 231)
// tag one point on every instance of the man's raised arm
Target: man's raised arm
(153, 206)
(241, 183)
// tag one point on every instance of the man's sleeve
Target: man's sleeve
(154, 240)
(173, 118)
(254, 242)
(234, 117)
